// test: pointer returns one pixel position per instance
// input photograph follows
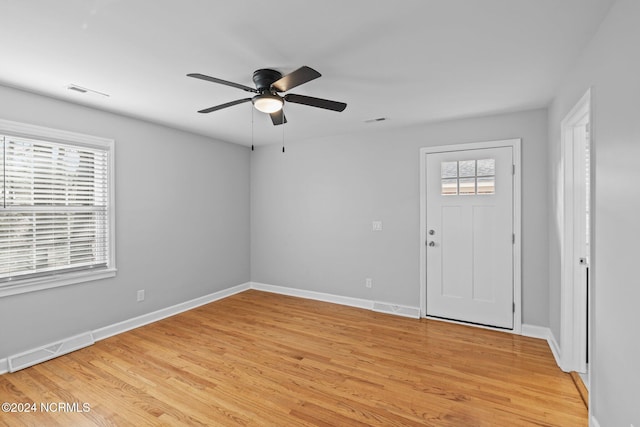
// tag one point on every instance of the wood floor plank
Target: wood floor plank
(582, 389)
(270, 360)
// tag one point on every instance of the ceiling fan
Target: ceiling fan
(269, 84)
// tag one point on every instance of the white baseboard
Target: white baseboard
(535, 331)
(145, 319)
(555, 348)
(594, 422)
(318, 296)
(544, 333)
(382, 307)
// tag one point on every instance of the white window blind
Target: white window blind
(53, 208)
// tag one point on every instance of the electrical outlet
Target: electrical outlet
(376, 226)
(140, 296)
(368, 282)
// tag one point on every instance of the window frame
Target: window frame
(57, 279)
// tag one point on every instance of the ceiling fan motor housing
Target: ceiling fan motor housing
(263, 79)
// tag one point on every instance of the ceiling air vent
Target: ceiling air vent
(77, 89)
(81, 89)
(379, 119)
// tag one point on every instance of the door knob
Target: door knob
(432, 243)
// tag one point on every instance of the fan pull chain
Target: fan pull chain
(251, 127)
(282, 124)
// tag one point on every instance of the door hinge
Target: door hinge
(513, 238)
(513, 170)
(514, 307)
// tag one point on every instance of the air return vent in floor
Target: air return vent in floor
(399, 310)
(49, 351)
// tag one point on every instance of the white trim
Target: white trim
(318, 296)
(573, 315)
(586, 378)
(515, 144)
(54, 281)
(145, 319)
(4, 366)
(534, 331)
(26, 130)
(593, 421)
(546, 334)
(377, 306)
(49, 351)
(423, 233)
(555, 348)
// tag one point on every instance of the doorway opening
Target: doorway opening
(576, 232)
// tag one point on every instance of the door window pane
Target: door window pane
(467, 186)
(450, 187)
(486, 185)
(468, 177)
(467, 168)
(449, 169)
(486, 167)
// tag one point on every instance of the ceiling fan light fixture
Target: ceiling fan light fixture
(267, 103)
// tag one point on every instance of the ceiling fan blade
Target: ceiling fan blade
(315, 102)
(278, 118)
(222, 82)
(221, 106)
(300, 76)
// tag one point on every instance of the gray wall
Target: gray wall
(611, 66)
(312, 207)
(182, 224)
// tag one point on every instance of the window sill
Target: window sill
(31, 285)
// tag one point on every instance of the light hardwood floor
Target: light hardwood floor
(270, 360)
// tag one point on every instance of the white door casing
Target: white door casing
(470, 243)
(574, 231)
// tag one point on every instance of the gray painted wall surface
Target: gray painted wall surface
(611, 66)
(182, 224)
(312, 207)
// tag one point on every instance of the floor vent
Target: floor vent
(49, 351)
(398, 310)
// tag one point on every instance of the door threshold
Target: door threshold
(465, 323)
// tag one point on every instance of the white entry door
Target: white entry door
(469, 223)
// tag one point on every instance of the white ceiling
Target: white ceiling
(411, 61)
